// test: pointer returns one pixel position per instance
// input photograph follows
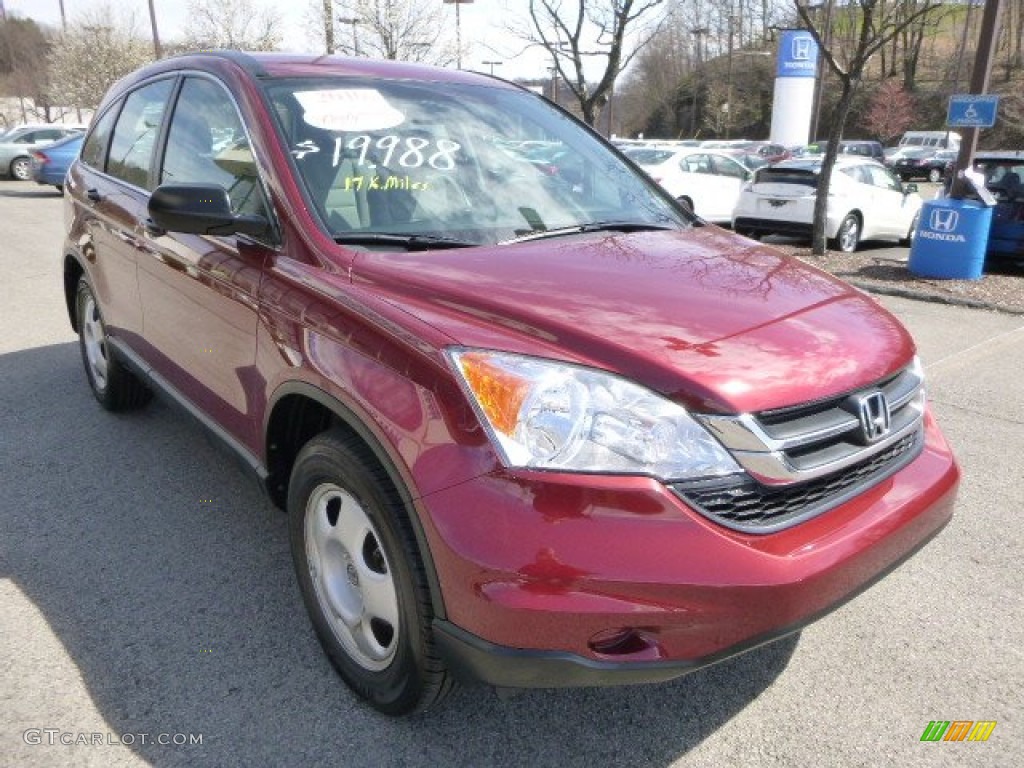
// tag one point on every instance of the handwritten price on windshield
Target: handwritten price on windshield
(410, 151)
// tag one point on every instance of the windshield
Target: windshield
(466, 164)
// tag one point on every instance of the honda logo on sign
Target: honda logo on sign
(944, 220)
(802, 48)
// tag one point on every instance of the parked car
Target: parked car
(866, 202)
(860, 148)
(525, 433)
(923, 163)
(50, 164)
(766, 150)
(705, 181)
(17, 144)
(1003, 171)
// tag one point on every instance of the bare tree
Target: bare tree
(872, 24)
(24, 71)
(232, 24)
(574, 32)
(404, 30)
(97, 49)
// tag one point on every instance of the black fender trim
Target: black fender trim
(399, 479)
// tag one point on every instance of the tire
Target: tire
(909, 239)
(362, 578)
(21, 168)
(934, 175)
(113, 385)
(848, 236)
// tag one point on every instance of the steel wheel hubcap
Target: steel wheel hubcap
(21, 170)
(351, 576)
(849, 235)
(95, 340)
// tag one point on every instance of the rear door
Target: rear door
(892, 212)
(110, 190)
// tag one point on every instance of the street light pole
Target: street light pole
(458, 29)
(354, 21)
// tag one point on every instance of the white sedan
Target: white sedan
(866, 201)
(705, 181)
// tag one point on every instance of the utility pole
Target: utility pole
(157, 49)
(988, 37)
(328, 27)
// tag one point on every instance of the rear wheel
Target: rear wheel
(21, 168)
(113, 385)
(362, 578)
(848, 237)
(909, 239)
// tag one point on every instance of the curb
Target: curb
(909, 293)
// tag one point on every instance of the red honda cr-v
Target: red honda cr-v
(532, 423)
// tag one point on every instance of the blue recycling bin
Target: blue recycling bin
(951, 239)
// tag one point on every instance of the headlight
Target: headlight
(549, 415)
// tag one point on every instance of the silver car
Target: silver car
(16, 146)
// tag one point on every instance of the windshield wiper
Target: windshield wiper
(597, 226)
(409, 242)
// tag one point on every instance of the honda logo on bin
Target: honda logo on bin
(944, 220)
(942, 224)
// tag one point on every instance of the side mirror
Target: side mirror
(909, 188)
(200, 209)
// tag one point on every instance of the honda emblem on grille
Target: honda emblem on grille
(875, 418)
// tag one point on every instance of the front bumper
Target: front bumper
(554, 580)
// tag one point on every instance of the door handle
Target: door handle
(94, 195)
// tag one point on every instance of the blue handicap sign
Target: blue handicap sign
(972, 111)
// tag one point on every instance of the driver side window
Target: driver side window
(206, 143)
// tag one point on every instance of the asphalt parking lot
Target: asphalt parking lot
(147, 598)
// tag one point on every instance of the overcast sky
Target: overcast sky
(478, 22)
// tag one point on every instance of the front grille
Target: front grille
(803, 460)
(755, 508)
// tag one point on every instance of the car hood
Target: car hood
(710, 319)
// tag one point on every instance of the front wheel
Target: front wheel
(848, 237)
(934, 175)
(21, 168)
(362, 578)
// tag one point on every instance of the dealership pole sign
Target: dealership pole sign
(796, 73)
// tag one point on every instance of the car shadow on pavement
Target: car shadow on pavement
(166, 577)
(31, 190)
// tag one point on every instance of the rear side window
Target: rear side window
(131, 149)
(787, 176)
(649, 156)
(94, 151)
